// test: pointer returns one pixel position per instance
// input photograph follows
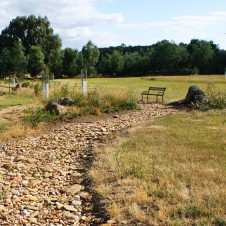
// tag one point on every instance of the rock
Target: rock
(85, 195)
(69, 215)
(70, 208)
(8, 166)
(194, 95)
(74, 189)
(54, 107)
(59, 206)
(65, 101)
(29, 198)
(17, 86)
(25, 212)
(32, 220)
(3, 208)
(76, 203)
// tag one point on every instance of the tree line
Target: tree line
(29, 45)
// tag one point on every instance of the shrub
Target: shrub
(37, 89)
(215, 99)
(79, 99)
(41, 115)
(25, 84)
(2, 93)
(64, 90)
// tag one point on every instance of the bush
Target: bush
(215, 99)
(37, 89)
(25, 84)
(2, 93)
(64, 90)
(41, 115)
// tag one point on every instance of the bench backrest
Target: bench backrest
(157, 89)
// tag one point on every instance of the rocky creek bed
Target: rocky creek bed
(44, 180)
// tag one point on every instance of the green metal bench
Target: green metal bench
(154, 91)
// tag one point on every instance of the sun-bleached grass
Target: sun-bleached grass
(176, 86)
(111, 91)
(169, 172)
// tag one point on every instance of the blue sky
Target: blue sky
(132, 22)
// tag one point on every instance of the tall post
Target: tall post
(45, 84)
(84, 81)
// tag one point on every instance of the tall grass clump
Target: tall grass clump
(117, 101)
(37, 89)
(34, 117)
(94, 103)
(215, 99)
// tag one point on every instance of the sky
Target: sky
(130, 22)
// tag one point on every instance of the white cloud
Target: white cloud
(77, 21)
(71, 19)
(181, 22)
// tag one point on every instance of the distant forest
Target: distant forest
(29, 45)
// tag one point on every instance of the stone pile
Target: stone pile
(43, 180)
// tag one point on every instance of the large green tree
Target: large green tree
(35, 61)
(12, 60)
(167, 56)
(31, 31)
(34, 31)
(201, 54)
(53, 54)
(70, 66)
(112, 64)
(91, 55)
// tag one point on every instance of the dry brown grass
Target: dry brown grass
(170, 172)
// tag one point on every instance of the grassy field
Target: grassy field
(104, 89)
(171, 171)
(177, 86)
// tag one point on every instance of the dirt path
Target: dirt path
(43, 180)
(12, 114)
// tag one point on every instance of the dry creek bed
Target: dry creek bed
(44, 180)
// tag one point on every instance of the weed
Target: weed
(2, 93)
(79, 99)
(129, 105)
(93, 99)
(37, 89)
(41, 115)
(3, 126)
(64, 90)
(215, 99)
(193, 212)
(134, 171)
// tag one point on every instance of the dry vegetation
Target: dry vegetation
(168, 172)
